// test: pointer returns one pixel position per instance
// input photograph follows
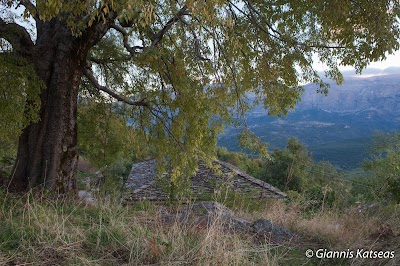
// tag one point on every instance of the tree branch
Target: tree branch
(196, 41)
(30, 7)
(125, 35)
(254, 21)
(104, 61)
(159, 35)
(156, 38)
(165, 118)
(18, 37)
(89, 75)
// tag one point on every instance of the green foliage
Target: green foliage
(361, 185)
(314, 185)
(254, 144)
(293, 170)
(105, 137)
(115, 176)
(317, 185)
(327, 187)
(229, 157)
(175, 190)
(287, 168)
(385, 166)
(252, 166)
(18, 85)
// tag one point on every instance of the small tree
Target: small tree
(384, 164)
(294, 171)
(326, 186)
(287, 168)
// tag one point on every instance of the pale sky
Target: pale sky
(391, 60)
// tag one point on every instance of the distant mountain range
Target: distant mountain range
(337, 127)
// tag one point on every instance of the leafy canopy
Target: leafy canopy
(187, 66)
(104, 136)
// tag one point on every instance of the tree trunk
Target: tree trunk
(48, 152)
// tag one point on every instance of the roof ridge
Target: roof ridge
(251, 178)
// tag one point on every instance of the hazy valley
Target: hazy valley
(337, 127)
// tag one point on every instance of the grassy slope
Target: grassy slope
(40, 231)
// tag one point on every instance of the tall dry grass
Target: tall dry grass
(38, 231)
(348, 228)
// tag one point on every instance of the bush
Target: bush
(384, 166)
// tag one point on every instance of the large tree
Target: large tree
(184, 67)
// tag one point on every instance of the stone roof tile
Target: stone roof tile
(142, 183)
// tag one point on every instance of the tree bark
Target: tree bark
(48, 150)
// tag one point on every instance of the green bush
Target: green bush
(287, 168)
(384, 165)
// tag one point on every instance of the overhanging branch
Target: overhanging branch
(89, 75)
(18, 37)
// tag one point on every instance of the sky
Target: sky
(391, 60)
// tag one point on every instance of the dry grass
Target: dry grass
(70, 233)
(348, 228)
(378, 229)
(44, 232)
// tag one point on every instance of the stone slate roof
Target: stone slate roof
(142, 183)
